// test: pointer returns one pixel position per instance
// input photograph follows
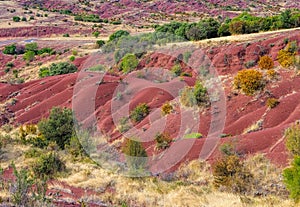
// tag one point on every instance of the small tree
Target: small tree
(58, 127)
(265, 62)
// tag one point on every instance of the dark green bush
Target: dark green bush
(10, 50)
(59, 127)
(57, 69)
(118, 34)
(139, 112)
(16, 19)
(48, 166)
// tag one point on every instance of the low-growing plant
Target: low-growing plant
(272, 74)
(176, 70)
(128, 63)
(162, 140)
(265, 62)
(48, 166)
(194, 135)
(249, 81)
(166, 108)
(194, 96)
(57, 69)
(272, 102)
(140, 112)
(232, 174)
(292, 135)
(291, 179)
(250, 64)
(123, 125)
(72, 58)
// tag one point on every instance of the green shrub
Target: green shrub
(10, 49)
(249, 81)
(72, 58)
(100, 43)
(200, 93)
(136, 156)
(57, 69)
(58, 127)
(194, 135)
(29, 56)
(66, 35)
(139, 112)
(292, 135)
(272, 102)
(118, 34)
(31, 47)
(162, 140)
(48, 166)
(128, 63)
(96, 34)
(231, 173)
(97, 68)
(16, 19)
(166, 108)
(176, 70)
(291, 179)
(265, 62)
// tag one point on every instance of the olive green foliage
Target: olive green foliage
(48, 166)
(272, 102)
(128, 63)
(163, 140)
(194, 135)
(57, 69)
(88, 18)
(140, 112)
(59, 127)
(31, 47)
(291, 179)
(232, 174)
(29, 56)
(96, 34)
(166, 108)
(16, 19)
(194, 96)
(292, 135)
(176, 70)
(136, 156)
(265, 62)
(123, 125)
(118, 34)
(249, 81)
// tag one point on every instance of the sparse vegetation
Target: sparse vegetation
(166, 108)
